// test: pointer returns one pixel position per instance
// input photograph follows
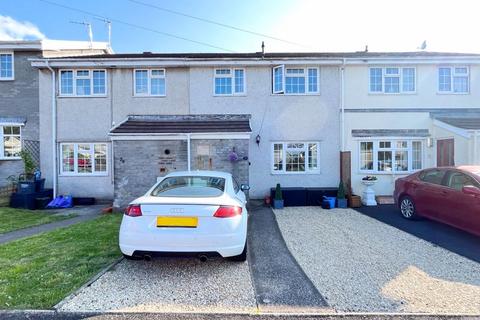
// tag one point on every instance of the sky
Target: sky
(284, 25)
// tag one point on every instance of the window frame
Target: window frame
(284, 69)
(231, 76)
(2, 146)
(149, 82)
(74, 83)
(393, 149)
(385, 75)
(452, 76)
(11, 53)
(75, 172)
(284, 149)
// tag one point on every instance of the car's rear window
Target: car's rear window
(432, 176)
(190, 186)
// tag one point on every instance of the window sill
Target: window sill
(294, 173)
(90, 96)
(230, 95)
(383, 173)
(148, 96)
(10, 158)
(296, 94)
(453, 93)
(392, 93)
(7, 79)
(83, 175)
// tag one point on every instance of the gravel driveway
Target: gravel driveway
(360, 264)
(169, 285)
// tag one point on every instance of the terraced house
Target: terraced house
(119, 121)
(19, 101)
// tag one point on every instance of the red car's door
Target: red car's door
(429, 193)
(461, 209)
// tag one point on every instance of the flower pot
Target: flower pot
(277, 204)
(342, 203)
(355, 201)
(368, 198)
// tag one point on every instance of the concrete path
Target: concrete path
(83, 214)
(280, 283)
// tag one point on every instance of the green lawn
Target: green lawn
(38, 272)
(14, 219)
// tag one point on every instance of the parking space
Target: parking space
(360, 264)
(169, 285)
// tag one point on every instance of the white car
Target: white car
(201, 213)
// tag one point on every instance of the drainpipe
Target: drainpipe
(476, 159)
(188, 151)
(54, 132)
(342, 105)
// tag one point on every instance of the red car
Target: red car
(450, 195)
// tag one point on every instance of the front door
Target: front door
(445, 153)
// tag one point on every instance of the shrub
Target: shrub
(341, 191)
(278, 192)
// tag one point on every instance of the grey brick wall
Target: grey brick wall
(19, 98)
(139, 163)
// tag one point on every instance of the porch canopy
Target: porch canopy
(183, 124)
(469, 121)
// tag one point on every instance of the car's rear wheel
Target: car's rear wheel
(407, 208)
(241, 257)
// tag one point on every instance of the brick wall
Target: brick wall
(139, 163)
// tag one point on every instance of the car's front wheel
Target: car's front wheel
(407, 208)
(241, 257)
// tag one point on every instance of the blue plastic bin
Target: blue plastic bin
(330, 201)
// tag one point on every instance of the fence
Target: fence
(5, 193)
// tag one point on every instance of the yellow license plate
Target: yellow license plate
(177, 222)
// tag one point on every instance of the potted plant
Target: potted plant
(341, 199)
(368, 198)
(278, 200)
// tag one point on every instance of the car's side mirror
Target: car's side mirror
(244, 187)
(471, 190)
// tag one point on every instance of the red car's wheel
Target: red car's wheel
(407, 208)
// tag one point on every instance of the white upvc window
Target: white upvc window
(83, 83)
(391, 80)
(229, 81)
(296, 157)
(10, 141)
(390, 156)
(149, 82)
(6, 66)
(84, 159)
(295, 80)
(453, 79)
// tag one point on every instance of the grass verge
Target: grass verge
(38, 272)
(15, 219)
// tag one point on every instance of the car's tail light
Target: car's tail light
(227, 212)
(133, 210)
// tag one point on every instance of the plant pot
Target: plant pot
(277, 204)
(342, 203)
(355, 201)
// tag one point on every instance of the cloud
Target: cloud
(11, 29)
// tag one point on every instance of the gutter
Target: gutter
(342, 105)
(54, 132)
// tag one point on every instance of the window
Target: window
(149, 82)
(295, 157)
(458, 180)
(83, 159)
(392, 80)
(229, 81)
(83, 82)
(10, 142)
(453, 79)
(188, 186)
(390, 156)
(6, 66)
(434, 176)
(295, 80)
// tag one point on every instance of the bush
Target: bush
(28, 162)
(341, 191)
(278, 192)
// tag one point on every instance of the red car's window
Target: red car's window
(458, 180)
(433, 176)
